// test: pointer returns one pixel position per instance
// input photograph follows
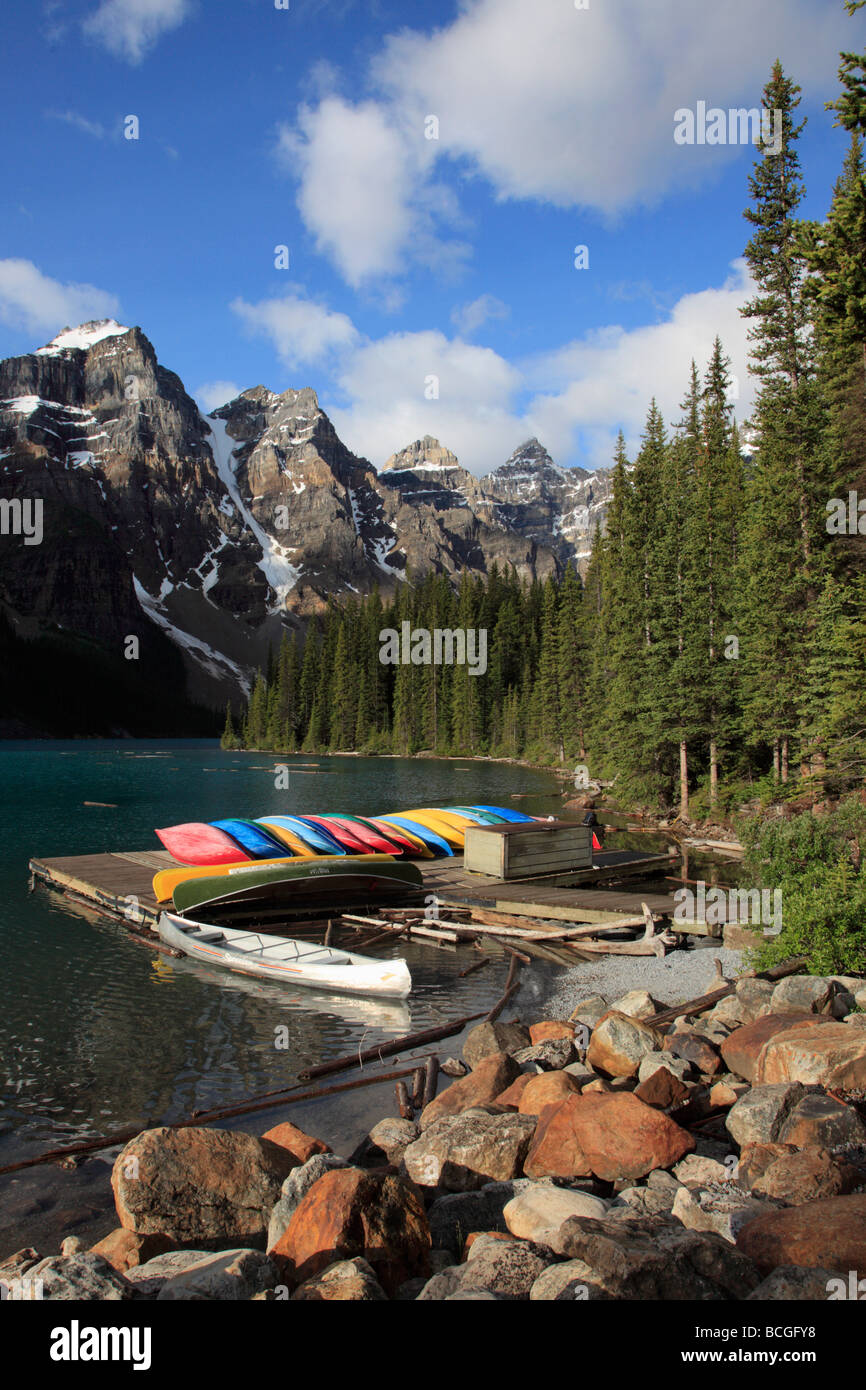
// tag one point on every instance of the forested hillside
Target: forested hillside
(718, 643)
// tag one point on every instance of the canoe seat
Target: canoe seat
(212, 934)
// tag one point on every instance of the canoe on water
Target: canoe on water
(314, 883)
(282, 959)
(165, 882)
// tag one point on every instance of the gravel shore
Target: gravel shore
(680, 976)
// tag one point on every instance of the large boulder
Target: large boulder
(806, 1176)
(819, 1119)
(492, 1075)
(696, 1049)
(832, 1056)
(615, 1137)
(538, 1212)
(637, 1003)
(830, 1234)
(81, 1277)
(758, 1116)
(654, 1258)
(662, 1090)
(554, 1054)
(231, 1275)
(295, 1189)
(619, 1043)
(211, 1187)
(811, 994)
(549, 1028)
(742, 1048)
(459, 1153)
(753, 996)
(487, 1038)
(506, 1268)
(351, 1212)
(548, 1088)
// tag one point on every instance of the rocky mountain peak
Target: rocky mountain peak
(84, 337)
(426, 453)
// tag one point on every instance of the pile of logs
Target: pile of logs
(523, 937)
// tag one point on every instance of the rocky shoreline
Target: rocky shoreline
(611, 1155)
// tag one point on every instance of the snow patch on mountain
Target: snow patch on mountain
(82, 337)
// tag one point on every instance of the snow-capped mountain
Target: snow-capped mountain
(219, 529)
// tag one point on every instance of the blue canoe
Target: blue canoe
(252, 838)
(515, 816)
(312, 835)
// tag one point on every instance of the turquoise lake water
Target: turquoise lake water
(96, 1031)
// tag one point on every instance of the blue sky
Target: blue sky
(410, 258)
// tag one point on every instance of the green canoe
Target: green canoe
(308, 883)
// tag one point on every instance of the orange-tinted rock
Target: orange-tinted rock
(696, 1049)
(350, 1212)
(482, 1086)
(755, 1159)
(662, 1089)
(300, 1145)
(550, 1028)
(510, 1097)
(832, 1056)
(548, 1088)
(124, 1249)
(615, 1137)
(829, 1234)
(806, 1176)
(598, 1086)
(742, 1048)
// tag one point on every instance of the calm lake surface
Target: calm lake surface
(98, 1033)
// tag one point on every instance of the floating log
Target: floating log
(288, 1097)
(470, 969)
(388, 1049)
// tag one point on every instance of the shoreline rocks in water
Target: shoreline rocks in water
(597, 1157)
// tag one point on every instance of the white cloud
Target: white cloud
(588, 389)
(130, 28)
(387, 381)
(546, 102)
(468, 318)
(576, 107)
(363, 190)
(31, 300)
(574, 399)
(300, 330)
(74, 118)
(213, 393)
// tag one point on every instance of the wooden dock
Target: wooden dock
(120, 884)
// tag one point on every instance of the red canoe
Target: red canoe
(367, 841)
(198, 843)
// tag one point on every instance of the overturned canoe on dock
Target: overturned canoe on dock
(281, 958)
(306, 883)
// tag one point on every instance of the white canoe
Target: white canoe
(281, 958)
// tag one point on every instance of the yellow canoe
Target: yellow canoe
(445, 823)
(165, 882)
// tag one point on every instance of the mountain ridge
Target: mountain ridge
(218, 529)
